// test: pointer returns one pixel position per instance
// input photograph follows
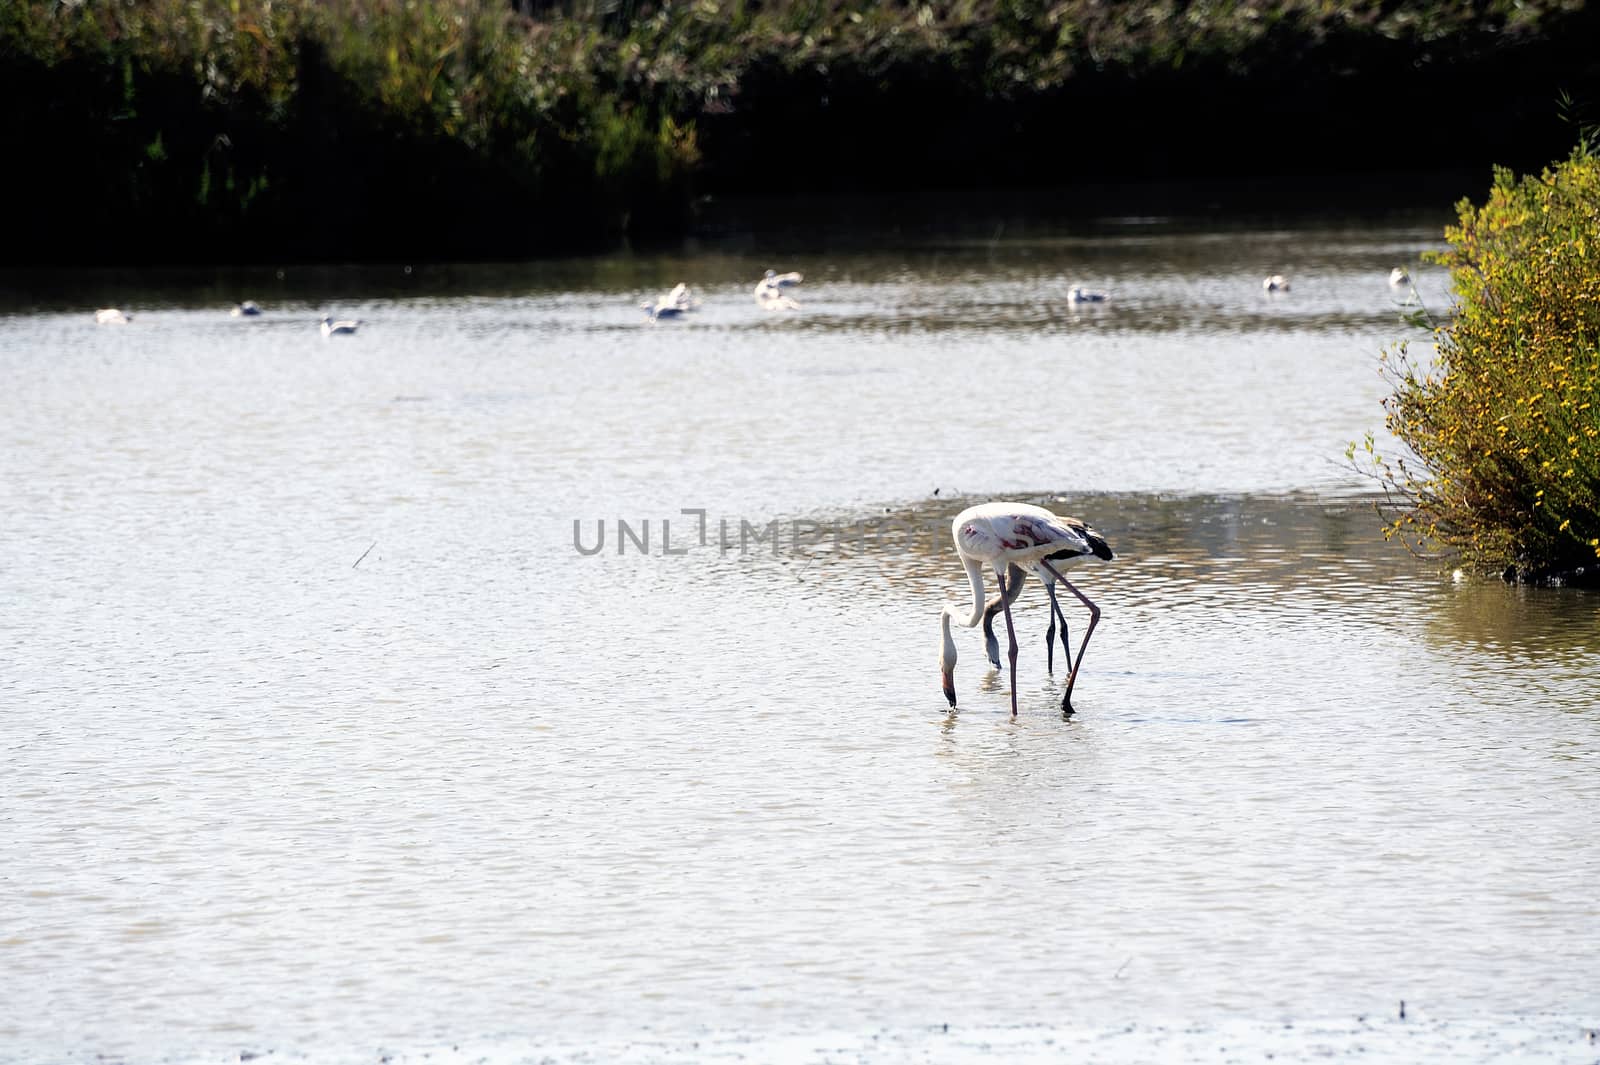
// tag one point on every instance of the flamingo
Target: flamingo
(111, 316)
(1016, 539)
(333, 328)
(671, 305)
(770, 292)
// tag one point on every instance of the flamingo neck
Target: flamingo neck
(947, 644)
(975, 579)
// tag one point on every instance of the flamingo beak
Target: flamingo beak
(949, 687)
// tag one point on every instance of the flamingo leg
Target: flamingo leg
(1050, 633)
(991, 645)
(1094, 619)
(1012, 590)
(1011, 634)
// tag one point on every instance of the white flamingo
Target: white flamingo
(1014, 582)
(770, 292)
(677, 302)
(111, 316)
(345, 327)
(1015, 539)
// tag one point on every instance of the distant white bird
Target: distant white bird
(773, 279)
(1015, 539)
(1398, 277)
(247, 309)
(111, 316)
(677, 302)
(333, 328)
(770, 294)
(1275, 283)
(1083, 295)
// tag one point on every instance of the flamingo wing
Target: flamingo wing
(1020, 532)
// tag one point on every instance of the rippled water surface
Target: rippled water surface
(325, 737)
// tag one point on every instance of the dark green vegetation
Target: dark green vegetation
(1505, 425)
(250, 129)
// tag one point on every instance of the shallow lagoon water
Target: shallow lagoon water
(325, 739)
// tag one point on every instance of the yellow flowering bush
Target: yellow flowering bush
(1503, 425)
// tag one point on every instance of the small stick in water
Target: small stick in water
(364, 554)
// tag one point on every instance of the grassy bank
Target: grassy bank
(249, 129)
(229, 130)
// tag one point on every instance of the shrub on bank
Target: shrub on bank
(1504, 425)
